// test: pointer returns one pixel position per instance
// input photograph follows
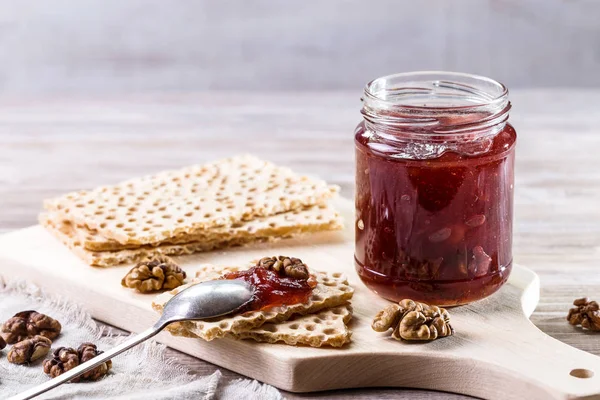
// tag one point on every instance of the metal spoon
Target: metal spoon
(204, 300)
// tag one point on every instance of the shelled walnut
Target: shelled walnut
(154, 274)
(285, 266)
(411, 320)
(2, 343)
(585, 313)
(27, 324)
(86, 352)
(29, 350)
(66, 358)
(63, 359)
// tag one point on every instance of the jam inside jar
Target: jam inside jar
(434, 187)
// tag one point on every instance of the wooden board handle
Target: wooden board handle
(524, 363)
(544, 367)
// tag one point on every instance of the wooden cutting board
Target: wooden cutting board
(497, 353)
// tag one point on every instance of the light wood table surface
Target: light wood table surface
(52, 145)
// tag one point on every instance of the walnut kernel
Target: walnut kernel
(66, 358)
(285, 266)
(63, 359)
(387, 318)
(411, 320)
(86, 352)
(27, 324)
(154, 274)
(29, 350)
(585, 313)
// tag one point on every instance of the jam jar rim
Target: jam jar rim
(448, 74)
(386, 103)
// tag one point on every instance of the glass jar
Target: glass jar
(434, 187)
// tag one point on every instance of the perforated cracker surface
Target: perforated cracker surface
(154, 208)
(332, 290)
(325, 328)
(65, 232)
(310, 219)
(250, 232)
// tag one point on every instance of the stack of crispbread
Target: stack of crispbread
(230, 202)
(321, 321)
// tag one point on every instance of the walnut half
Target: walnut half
(585, 313)
(66, 358)
(63, 359)
(86, 352)
(411, 320)
(290, 267)
(154, 274)
(29, 350)
(27, 324)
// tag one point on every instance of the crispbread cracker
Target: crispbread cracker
(332, 290)
(64, 232)
(259, 230)
(326, 328)
(310, 219)
(200, 197)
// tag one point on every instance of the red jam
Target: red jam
(434, 210)
(272, 289)
(436, 230)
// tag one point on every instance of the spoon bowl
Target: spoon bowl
(206, 300)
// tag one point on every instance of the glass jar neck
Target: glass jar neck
(435, 107)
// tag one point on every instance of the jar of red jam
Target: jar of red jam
(434, 187)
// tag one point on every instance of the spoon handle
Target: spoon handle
(86, 366)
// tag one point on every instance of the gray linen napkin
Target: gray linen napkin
(141, 373)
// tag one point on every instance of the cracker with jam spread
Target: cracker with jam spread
(326, 301)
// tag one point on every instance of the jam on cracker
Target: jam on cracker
(276, 281)
(434, 187)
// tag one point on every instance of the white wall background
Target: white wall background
(97, 46)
